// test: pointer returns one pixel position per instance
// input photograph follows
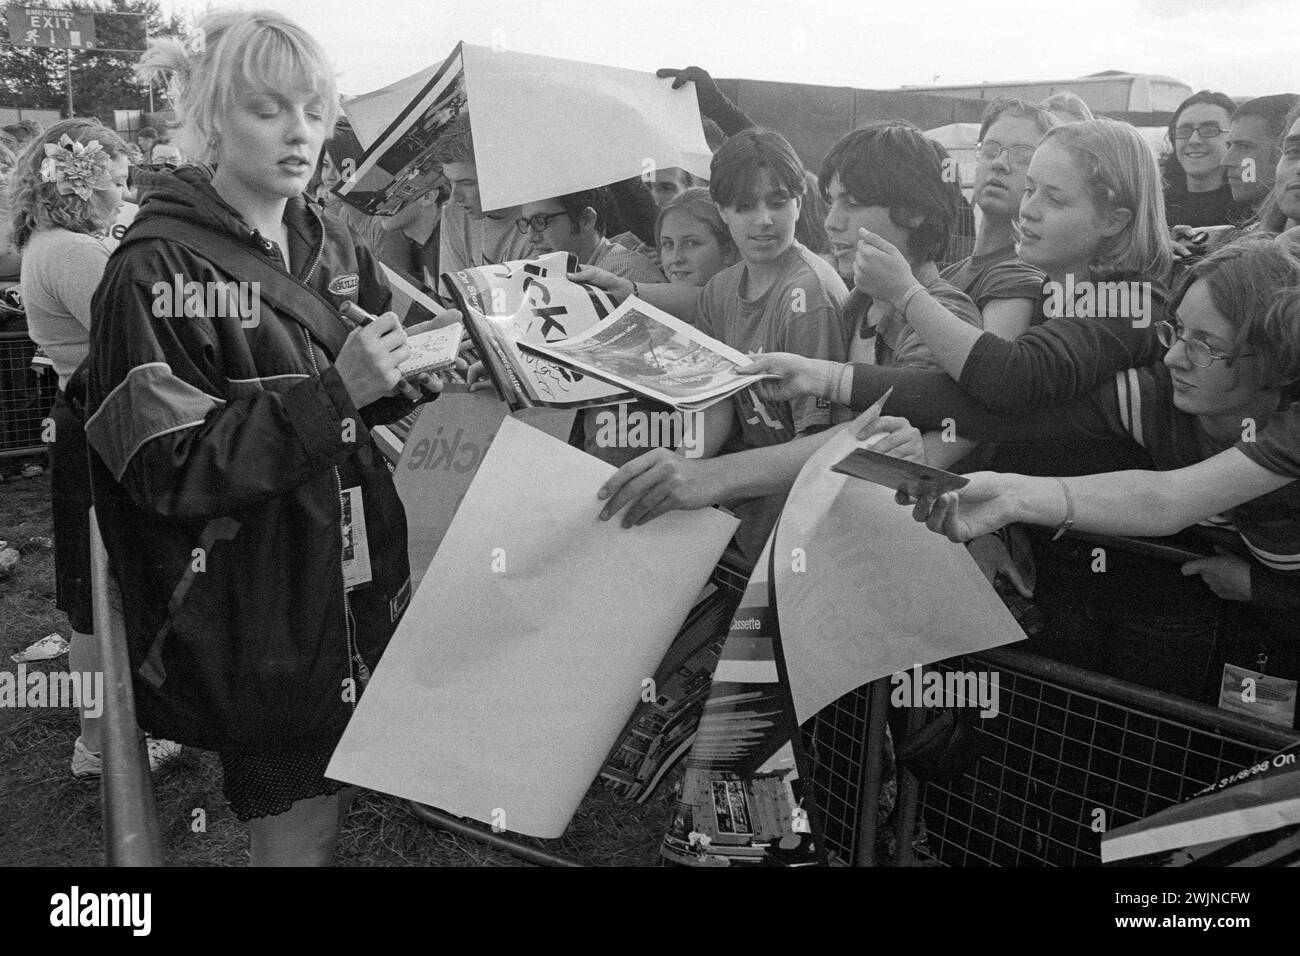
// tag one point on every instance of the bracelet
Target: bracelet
(833, 386)
(1068, 522)
(636, 290)
(907, 298)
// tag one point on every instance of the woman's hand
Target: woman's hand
(1226, 575)
(984, 505)
(798, 376)
(369, 359)
(657, 482)
(616, 286)
(880, 270)
(898, 437)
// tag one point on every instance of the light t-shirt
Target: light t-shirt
(801, 312)
(61, 271)
(467, 242)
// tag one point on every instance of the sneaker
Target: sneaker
(87, 764)
(84, 763)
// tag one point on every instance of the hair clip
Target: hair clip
(78, 168)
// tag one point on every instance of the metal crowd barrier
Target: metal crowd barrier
(131, 833)
(25, 397)
(1071, 754)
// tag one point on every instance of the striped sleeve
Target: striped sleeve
(1277, 445)
(148, 403)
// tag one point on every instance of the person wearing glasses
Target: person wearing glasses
(1208, 414)
(576, 224)
(1197, 192)
(1004, 289)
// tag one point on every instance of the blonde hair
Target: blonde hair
(1121, 173)
(257, 49)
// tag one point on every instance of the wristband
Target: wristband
(907, 298)
(1068, 522)
(636, 290)
(832, 390)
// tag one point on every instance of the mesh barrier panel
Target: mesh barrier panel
(25, 397)
(1060, 765)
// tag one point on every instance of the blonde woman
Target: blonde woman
(234, 463)
(66, 192)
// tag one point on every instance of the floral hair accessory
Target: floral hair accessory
(77, 168)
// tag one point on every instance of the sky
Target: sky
(1240, 47)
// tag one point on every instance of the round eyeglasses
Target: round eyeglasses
(537, 222)
(1198, 352)
(991, 149)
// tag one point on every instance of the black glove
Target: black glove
(713, 103)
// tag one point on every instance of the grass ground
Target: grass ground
(49, 819)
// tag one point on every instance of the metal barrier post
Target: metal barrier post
(869, 784)
(131, 832)
(909, 794)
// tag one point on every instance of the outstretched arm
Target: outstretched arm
(1147, 503)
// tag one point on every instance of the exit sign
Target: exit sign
(51, 27)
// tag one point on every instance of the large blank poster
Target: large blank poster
(864, 591)
(523, 652)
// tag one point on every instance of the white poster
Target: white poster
(542, 127)
(523, 652)
(864, 591)
(546, 127)
(442, 455)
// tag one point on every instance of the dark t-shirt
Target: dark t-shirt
(995, 275)
(1214, 208)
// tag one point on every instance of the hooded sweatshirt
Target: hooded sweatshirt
(232, 474)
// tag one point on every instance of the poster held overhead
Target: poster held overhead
(543, 127)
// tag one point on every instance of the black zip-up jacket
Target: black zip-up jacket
(220, 449)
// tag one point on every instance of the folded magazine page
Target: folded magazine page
(532, 301)
(1249, 818)
(398, 167)
(745, 798)
(657, 356)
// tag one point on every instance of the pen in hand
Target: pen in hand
(356, 317)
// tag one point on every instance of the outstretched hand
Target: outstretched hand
(798, 376)
(984, 505)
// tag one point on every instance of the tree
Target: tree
(102, 81)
